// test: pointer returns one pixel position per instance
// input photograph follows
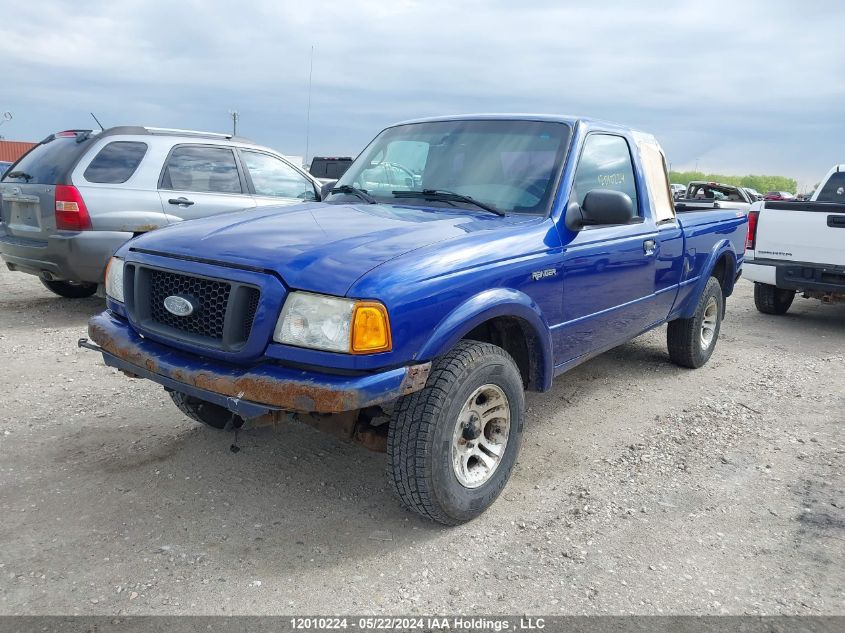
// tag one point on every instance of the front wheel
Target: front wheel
(70, 289)
(208, 413)
(451, 447)
(771, 299)
(691, 341)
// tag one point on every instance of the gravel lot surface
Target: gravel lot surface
(641, 488)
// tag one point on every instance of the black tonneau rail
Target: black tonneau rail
(815, 207)
(686, 204)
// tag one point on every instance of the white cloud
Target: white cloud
(750, 86)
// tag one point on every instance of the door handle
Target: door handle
(181, 201)
(649, 246)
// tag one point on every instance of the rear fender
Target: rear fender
(498, 302)
(722, 248)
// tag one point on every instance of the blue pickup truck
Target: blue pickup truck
(458, 262)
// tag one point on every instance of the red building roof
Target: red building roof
(13, 150)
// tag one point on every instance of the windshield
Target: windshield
(509, 165)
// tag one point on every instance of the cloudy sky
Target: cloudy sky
(734, 87)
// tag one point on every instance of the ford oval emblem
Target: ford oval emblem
(179, 306)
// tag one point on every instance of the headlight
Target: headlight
(114, 279)
(333, 324)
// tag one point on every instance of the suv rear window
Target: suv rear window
(116, 162)
(48, 162)
(834, 188)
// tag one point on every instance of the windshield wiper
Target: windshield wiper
(19, 174)
(361, 193)
(447, 196)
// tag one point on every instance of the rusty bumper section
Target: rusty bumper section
(249, 392)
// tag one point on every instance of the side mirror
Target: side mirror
(601, 206)
(326, 188)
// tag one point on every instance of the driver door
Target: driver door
(608, 270)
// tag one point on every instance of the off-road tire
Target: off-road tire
(208, 413)
(683, 336)
(420, 434)
(70, 289)
(771, 299)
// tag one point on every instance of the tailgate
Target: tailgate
(28, 189)
(811, 232)
(28, 210)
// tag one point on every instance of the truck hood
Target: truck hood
(316, 246)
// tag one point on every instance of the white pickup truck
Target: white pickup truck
(798, 247)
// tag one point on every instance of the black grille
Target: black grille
(209, 298)
(213, 301)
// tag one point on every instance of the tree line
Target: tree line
(760, 183)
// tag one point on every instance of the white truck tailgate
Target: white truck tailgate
(786, 231)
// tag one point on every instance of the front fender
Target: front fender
(489, 304)
(719, 249)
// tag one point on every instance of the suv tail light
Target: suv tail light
(71, 212)
(751, 238)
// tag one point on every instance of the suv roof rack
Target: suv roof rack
(180, 132)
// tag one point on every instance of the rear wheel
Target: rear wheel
(208, 413)
(451, 447)
(771, 299)
(691, 341)
(70, 289)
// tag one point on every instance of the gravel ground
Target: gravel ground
(641, 488)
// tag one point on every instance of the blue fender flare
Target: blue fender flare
(489, 304)
(720, 249)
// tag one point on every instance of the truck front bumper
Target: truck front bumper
(253, 391)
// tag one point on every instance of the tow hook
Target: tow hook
(84, 342)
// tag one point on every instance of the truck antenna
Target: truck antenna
(102, 129)
(308, 111)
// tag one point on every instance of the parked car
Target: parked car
(412, 319)
(713, 195)
(753, 194)
(328, 168)
(4, 165)
(798, 247)
(678, 191)
(74, 198)
(779, 195)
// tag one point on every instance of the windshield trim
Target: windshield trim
(554, 181)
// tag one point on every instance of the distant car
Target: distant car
(327, 168)
(4, 165)
(677, 190)
(74, 198)
(753, 194)
(779, 195)
(700, 194)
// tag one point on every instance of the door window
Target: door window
(202, 169)
(605, 164)
(275, 178)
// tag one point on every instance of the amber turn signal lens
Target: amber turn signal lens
(370, 328)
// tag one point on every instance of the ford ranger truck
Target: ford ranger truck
(458, 263)
(798, 247)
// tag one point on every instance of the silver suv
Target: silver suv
(78, 195)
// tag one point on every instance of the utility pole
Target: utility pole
(235, 116)
(308, 111)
